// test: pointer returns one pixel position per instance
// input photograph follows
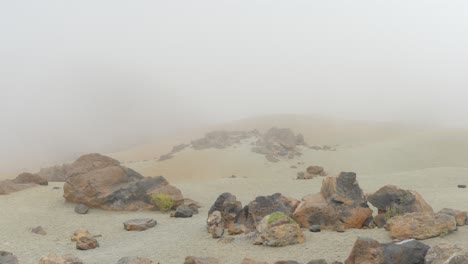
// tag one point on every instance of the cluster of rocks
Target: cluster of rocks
(279, 143)
(311, 172)
(21, 182)
(101, 182)
(222, 139)
(175, 149)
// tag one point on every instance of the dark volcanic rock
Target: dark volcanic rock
(314, 228)
(81, 209)
(39, 230)
(98, 181)
(183, 211)
(229, 208)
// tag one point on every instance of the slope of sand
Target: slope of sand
(431, 161)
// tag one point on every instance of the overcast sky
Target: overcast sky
(83, 75)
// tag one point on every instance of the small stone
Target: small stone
(39, 230)
(139, 224)
(340, 229)
(462, 186)
(183, 211)
(8, 258)
(56, 188)
(81, 209)
(314, 228)
(86, 243)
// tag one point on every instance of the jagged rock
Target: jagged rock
(139, 224)
(391, 201)
(98, 181)
(86, 243)
(80, 233)
(228, 206)
(56, 259)
(252, 261)
(81, 209)
(340, 202)
(445, 253)
(199, 260)
(421, 225)
(39, 230)
(278, 230)
(8, 258)
(460, 217)
(136, 260)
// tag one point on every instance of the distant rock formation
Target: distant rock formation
(222, 139)
(21, 182)
(279, 143)
(98, 181)
(55, 173)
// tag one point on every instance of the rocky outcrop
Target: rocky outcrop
(136, 260)
(139, 224)
(278, 230)
(262, 206)
(421, 225)
(222, 139)
(98, 181)
(8, 258)
(55, 173)
(199, 260)
(445, 253)
(56, 259)
(391, 201)
(279, 143)
(23, 181)
(369, 251)
(340, 204)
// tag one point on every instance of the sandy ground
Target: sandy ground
(431, 162)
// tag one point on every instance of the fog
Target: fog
(78, 76)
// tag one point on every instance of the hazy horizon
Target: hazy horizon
(87, 75)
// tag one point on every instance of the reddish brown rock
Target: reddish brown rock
(56, 259)
(98, 181)
(86, 243)
(366, 251)
(340, 203)
(421, 225)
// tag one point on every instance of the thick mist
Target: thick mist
(83, 76)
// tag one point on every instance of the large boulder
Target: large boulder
(228, 206)
(98, 181)
(262, 206)
(8, 258)
(340, 204)
(421, 225)
(391, 201)
(278, 230)
(445, 253)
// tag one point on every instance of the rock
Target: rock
(278, 230)
(314, 228)
(380, 220)
(55, 173)
(226, 240)
(229, 208)
(56, 188)
(286, 262)
(262, 206)
(366, 251)
(86, 243)
(340, 228)
(27, 177)
(39, 230)
(222, 139)
(215, 224)
(56, 259)
(315, 170)
(198, 260)
(98, 181)
(136, 260)
(251, 261)
(183, 211)
(421, 225)
(139, 224)
(192, 205)
(81, 209)
(391, 201)
(445, 253)
(293, 167)
(461, 186)
(317, 261)
(80, 233)
(237, 229)
(340, 202)
(8, 186)
(409, 251)
(278, 143)
(8, 258)
(460, 217)
(305, 176)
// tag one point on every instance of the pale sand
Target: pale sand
(432, 163)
